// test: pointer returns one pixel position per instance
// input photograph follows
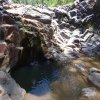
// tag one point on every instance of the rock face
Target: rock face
(10, 38)
(24, 34)
(60, 33)
(9, 89)
(72, 30)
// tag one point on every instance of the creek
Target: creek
(49, 81)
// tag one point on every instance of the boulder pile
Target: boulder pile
(64, 31)
(61, 32)
(76, 29)
(9, 89)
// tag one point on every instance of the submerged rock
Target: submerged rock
(80, 66)
(94, 76)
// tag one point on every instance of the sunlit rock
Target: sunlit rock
(90, 93)
(9, 89)
(32, 13)
(81, 67)
(10, 38)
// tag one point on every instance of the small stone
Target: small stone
(80, 67)
(94, 76)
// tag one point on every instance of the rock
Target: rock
(90, 93)
(32, 13)
(73, 42)
(6, 1)
(62, 31)
(94, 76)
(82, 10)
(91, 50)
(10, 38)
(61, 11)
(97, 50)
(76, 33)
(70, 53)
(81, 67)
(87, 37)
(9, 89)
(97, 6)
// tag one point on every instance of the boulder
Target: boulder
(80, 66)
(10, 39)
(9, 89)
(94, 76)
(90, 93)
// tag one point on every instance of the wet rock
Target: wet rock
(9, 89)
(94, 76)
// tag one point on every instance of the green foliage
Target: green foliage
(47, 2)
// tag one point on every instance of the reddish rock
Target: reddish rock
(10, 38)
(4, 57)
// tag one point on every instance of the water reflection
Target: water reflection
(42, 87)
(37, 79)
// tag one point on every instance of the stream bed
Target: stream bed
(48, 81)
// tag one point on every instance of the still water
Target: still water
(48, 81)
